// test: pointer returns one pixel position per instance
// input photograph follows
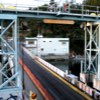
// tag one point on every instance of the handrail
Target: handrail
(70, 8)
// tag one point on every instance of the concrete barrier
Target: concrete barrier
(87, 90)
(80, 85)
(90, 93)
(84, 87)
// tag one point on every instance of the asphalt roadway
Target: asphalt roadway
(55, 87)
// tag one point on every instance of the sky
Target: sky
(33, 2)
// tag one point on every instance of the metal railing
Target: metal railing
(56, 7)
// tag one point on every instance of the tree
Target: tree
(92, 2)
(92, 5)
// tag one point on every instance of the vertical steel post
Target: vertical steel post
(85, 50)
(90, 48)
(98, 67)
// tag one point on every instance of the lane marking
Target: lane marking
(39, 86)
(64, 81)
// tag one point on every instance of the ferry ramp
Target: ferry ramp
(50, 85)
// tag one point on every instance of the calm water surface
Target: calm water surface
(73, 66)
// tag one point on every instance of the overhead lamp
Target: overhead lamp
(58, 21)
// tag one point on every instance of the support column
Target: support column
(98, 71)
(11, 84)
(91, 53)
(96, 80)
(91, 71)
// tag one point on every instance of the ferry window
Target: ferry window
(50, 41)
(63, 42)
(54, 49)
(44, 41)
(30, 42)
(42, 49)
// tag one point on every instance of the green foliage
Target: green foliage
(44, 7)
(92, 2)
(92, 5)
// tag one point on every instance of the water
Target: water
(63, 65)
(71, 65)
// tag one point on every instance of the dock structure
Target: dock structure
(9, 52)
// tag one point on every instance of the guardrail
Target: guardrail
(50, 66)
(55, 7)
